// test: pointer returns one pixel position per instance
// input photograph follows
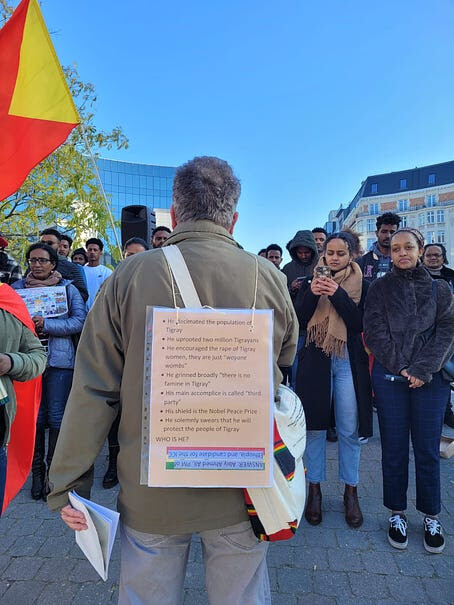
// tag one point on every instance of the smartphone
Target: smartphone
(395, 378)
(323, 271)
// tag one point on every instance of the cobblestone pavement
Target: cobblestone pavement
(327, 565)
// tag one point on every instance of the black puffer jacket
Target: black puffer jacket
(399, 313)
(295, 268)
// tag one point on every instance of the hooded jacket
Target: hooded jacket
(296, 268)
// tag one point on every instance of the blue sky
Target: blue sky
(303, 99)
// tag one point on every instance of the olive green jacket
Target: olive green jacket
(28, 358)
(109, 373)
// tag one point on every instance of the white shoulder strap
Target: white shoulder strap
(182, 276)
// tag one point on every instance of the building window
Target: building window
(404, 222)
(402, 205)
(359, 226)
(440, 216)
(370, 242)
(431, 200)
(431, 179)
(422, 219)
(374, 188)
(430, 237)
(373, 209)
(403, 183)
(370, 224)
(441, 237)
(430, 217)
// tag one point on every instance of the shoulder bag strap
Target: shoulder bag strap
(182, 277)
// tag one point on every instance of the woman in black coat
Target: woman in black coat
(409, 327)
(333, 369)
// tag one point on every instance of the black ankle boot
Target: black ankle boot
(38, 466)
(110, 478)
(353, 514)
(51, 443)
(313, 511)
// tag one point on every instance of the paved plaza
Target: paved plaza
(326, 565)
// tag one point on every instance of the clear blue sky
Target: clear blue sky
(304, 99)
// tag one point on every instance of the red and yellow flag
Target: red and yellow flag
(37, 112)
(28, 397)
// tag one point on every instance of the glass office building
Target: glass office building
(128, 184)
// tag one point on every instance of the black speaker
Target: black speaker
(137, 221)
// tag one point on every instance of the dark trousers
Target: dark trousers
(2, 475)
(403, 412)
(56, 387)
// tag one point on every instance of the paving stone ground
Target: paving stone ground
(331, 564)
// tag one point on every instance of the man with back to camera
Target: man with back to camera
(95, 273)
(68, 270)
(159, 236)
(320, 236)
(157, 523)
(377, 261)
(274, 254)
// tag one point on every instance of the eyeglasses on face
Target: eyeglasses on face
(433, 255)
(38, 260)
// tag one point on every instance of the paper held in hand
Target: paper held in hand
(50, 301)
(96, 542)
(208, 410)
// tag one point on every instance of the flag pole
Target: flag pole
(101, 188)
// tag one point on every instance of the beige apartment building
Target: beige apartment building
(423, 197)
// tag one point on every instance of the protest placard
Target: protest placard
(211, 398)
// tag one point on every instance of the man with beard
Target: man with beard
(159, 236)
(377, 262)
(320, 236)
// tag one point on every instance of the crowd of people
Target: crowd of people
(375, 330)
(352, 331)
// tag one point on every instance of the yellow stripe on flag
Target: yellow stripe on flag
(41, 91)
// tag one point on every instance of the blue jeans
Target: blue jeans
(346, 414)
(153, 567)
(56, 387)
(417, 412)
(2, 475)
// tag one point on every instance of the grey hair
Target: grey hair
(205, 188)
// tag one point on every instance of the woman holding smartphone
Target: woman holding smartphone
(409, 327)
(333, 370)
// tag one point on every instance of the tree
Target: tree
(62, 190)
